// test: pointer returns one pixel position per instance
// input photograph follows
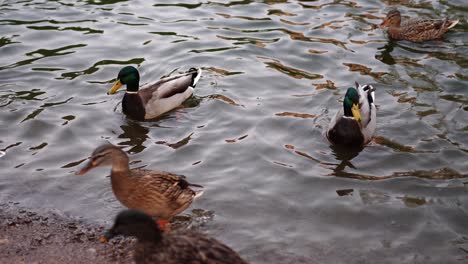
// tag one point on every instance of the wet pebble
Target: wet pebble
(47, 235)
(91, 251)
(3, 242)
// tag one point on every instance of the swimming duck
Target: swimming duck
(355, 123)
(155, 99)
(416, 30)
(176, 247)
(158, 193)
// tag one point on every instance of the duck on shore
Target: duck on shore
(157, 193)
(176, 247)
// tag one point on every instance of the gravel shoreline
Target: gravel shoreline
(32, 237)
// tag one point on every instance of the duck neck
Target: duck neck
(394, 31)
(132, 105)
(133, 84)
(347, 104)
(120, 163)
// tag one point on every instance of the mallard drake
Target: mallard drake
(158, 193)
(355, 123)
(155, 99)
(416, 30)
(176, 247)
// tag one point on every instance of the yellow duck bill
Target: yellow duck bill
(356, 112)
(87, 167)
(114, 88)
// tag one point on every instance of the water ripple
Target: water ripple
(274, 74)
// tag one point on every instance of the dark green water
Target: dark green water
(274, 75)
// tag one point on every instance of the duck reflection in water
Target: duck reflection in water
(136, 136)
(385, 55)
(344, 155)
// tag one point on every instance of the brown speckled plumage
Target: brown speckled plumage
(170, 248)
(416, 30)
(158, 193)
(188, 247)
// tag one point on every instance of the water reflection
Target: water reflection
(7, 41)
(373, 197)
(184, 141)
(293, 72)
(135, 135)
(385, 55)
(413, 202)
(344, 155)
(44, 53)
(364, 70)
(251, 50)
(95, 67)
(86, 30)
(104, 2)
(370, 197)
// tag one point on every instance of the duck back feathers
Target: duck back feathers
(186, 247)
(168, 93)
(177, 247)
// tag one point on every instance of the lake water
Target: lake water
(275, 73)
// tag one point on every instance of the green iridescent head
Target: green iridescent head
(351, 104)
(129, 76)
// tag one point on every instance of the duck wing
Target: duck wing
(426, 29)
(168, 93)
(196, 248)
(170, 86)
(161, 193)
(368, 111)
(366, 103)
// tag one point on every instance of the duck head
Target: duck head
(393, 19)
(135, 223)
(129, 76)
(351, 104)
(104, 155)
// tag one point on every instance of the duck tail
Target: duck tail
(195, 185)
(196, 74)
(452, 23)
(198, 194)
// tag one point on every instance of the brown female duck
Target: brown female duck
(170, 248)
(416, 30)
(158, 193)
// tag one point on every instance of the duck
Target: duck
(154, 246)
(158, 193)
(354, 124)
(416, 30)
(153, 100)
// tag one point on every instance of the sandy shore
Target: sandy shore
(31, 237)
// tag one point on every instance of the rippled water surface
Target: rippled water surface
(274, 74)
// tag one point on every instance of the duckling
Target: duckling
(416, 30)
(155, 99)
(158, 193)
(355, 123)
(176, 247)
